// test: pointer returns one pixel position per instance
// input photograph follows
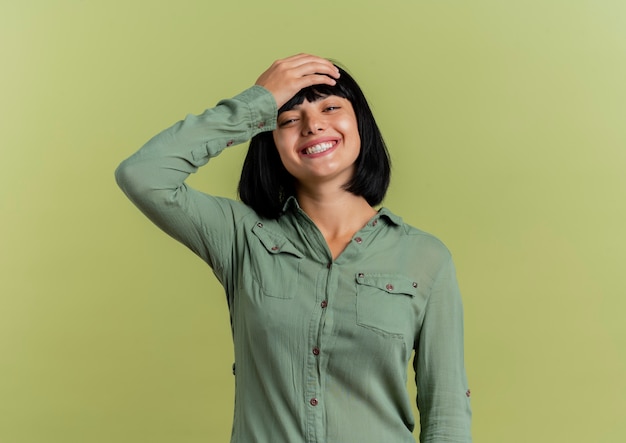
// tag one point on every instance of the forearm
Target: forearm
(161, 166)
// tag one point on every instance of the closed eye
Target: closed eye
(287, 122)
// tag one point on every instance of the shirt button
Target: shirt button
(313, 402)
(260, 225)
(324, 304)
(389, 287)
(375, 222)
(415, 284)
(358, 240)
(361, 275)
(316, 351)
(229, 143)
(260, 125)
(274, 248)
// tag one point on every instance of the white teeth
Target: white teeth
(320, 147)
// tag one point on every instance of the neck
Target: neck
(338, 214)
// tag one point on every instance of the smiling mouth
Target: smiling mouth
(319, 148)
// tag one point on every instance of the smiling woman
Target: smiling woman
(319, 142)
(328, 297)
(265, 183)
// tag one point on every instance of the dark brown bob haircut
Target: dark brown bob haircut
(265, 184)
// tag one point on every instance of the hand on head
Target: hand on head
(289, 75)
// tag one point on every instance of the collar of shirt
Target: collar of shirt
(291, 204)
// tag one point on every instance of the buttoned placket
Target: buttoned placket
(321, 333)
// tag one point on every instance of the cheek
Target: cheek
(277, 139)
(280, 143)
(283, 147)
(350, 127)
(283, 140)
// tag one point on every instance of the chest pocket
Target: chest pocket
(276, 263)
(384, 303)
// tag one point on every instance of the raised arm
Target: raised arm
(154, 177)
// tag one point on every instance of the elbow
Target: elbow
(140, 183)
(128, 178)
(123, 176)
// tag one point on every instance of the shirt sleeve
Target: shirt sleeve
(442, 391)
(154, 177)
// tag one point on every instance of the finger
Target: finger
(289, 69)
(315, 65)
(305, 64)
(317, 79)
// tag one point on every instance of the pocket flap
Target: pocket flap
(275, 243)
(391, 283)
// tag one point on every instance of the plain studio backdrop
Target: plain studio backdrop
(506, 126)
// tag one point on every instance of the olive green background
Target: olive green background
(506, 125)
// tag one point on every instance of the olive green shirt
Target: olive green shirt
(322, 346)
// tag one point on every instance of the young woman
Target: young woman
(328, 297)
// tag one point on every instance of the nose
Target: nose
(312, 125)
